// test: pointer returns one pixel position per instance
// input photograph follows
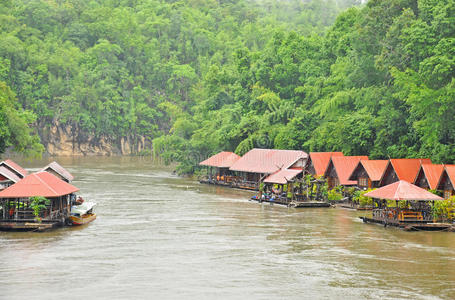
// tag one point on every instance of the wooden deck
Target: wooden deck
(411, 225)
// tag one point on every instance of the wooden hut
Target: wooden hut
(402, 169)
(284, 181)
(340, 168)
(317, 162)
(368, 173)
(14, 167)
(218, 168)
(17, 212)
(257, 164)
(415, 213)
(7, 177)
(55, 169)
(428, 176)
(446, 182)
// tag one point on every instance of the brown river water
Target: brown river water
(159, 236)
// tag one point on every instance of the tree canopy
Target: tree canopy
(198, 77)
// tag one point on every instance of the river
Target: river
(160, 236)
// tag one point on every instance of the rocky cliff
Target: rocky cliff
(64, 140)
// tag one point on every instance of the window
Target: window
(447, 194)
(363, 181)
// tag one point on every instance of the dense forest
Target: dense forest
(197, 77)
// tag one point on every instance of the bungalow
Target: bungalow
(447, 181)
(7, 177)
(17, 207)
(340, 168)
(15, 168)
(284, 179)
(368, 173)
(317, 162)
(55, 169)
(220, 163)
(428, 176)
(257, 164)
(402, 169)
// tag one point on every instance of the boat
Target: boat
(82, 213)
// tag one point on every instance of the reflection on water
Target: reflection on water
(161, 236)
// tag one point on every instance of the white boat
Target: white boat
(83, 213)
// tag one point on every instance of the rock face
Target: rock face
(64, 140)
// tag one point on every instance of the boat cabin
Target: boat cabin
(340, 168)
(16, 202)
(368, 173)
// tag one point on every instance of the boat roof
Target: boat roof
(82, 208)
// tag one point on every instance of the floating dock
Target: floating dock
(412, 225)
(296, 204)
(28, 225)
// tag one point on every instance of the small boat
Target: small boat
(83, 213)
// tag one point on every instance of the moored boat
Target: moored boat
(83, 213)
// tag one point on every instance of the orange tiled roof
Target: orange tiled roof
(374, 168)
(344, 166)
(321, 160)
(432, 174)
(408, 168)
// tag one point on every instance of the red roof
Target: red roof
(407, 168)
(221, 160)
(321, 160)
(450, 171)
(344, 166)
(374, 168)
(21, 172)
(402, 190)
(38, 184)
(267, 161)
(283, 176)
(59, 170)
(7, 173)
(432, 174)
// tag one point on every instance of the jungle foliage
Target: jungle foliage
(198, 77)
